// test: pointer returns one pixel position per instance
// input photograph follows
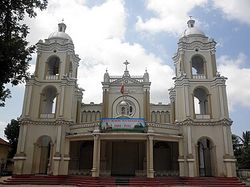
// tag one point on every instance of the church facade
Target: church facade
(126, 135)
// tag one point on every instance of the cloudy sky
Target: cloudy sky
(145, 32)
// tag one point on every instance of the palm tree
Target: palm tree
(246, 139)
(241, 147)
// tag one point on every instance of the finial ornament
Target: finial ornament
(126, 63)
(62, 26)
(191, 22)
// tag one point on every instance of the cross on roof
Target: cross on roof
(126, 63)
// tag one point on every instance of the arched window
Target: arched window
(53, 65)
(167, 117)
(48, 102)
(70, 69)
(153, 116)
(98, 115)
(88, 116)
(201, 106)
(126, 108)
(158, 117)
(84, 116)
(198, 67)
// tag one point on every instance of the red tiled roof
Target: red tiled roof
(3, 142)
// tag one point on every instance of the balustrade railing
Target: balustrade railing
(47, 116)
(202, 116)
(199, 76)
(52, 77)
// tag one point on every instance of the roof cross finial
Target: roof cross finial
(191, 22)
(126, 63)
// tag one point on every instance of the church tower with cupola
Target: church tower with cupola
(51, 104)
(200, 106)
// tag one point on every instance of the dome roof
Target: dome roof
(123, 103)
(60, 34)
(192, 30)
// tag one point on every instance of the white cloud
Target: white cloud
(234, 9)
(170, 16)
(98, 34)
(238, 79)
(112, 53)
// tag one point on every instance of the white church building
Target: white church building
(126, 134)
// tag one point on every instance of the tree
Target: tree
(11, 132)
(14, 51)
(241, 147)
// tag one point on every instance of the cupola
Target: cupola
(60, 34)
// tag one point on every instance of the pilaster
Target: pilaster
(150, 158)
(96, 156)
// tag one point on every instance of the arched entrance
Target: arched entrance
(42, 155)
(205, 157)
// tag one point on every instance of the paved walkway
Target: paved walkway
(29, 185)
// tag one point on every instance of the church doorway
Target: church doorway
(81, 157)
(127, 158)
(165, 158)
(205, 157)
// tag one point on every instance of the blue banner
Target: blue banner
(122, 124)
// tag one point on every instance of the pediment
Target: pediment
(127, 81)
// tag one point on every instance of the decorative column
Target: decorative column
(181, 159)
(150, 158)
(96, 156)
(190, 157)
(66, 158)
(20, 156)
(57, 155)
(228, 158)
(105, 103)
(222, 112)
(61, 109)
(213, 60)
(27, 98)
(186, 100)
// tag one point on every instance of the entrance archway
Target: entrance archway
(205, 157)
(42, 155)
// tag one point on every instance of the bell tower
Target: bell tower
(52, 92)
(51, 103)
(200, 89)
(200, 107)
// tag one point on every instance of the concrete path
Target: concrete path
(29, 185)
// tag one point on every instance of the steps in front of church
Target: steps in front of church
(123, 181)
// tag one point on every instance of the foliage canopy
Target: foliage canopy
(241, 147)
(14, 50)
(11, 132)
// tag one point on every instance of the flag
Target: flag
(122, 89)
